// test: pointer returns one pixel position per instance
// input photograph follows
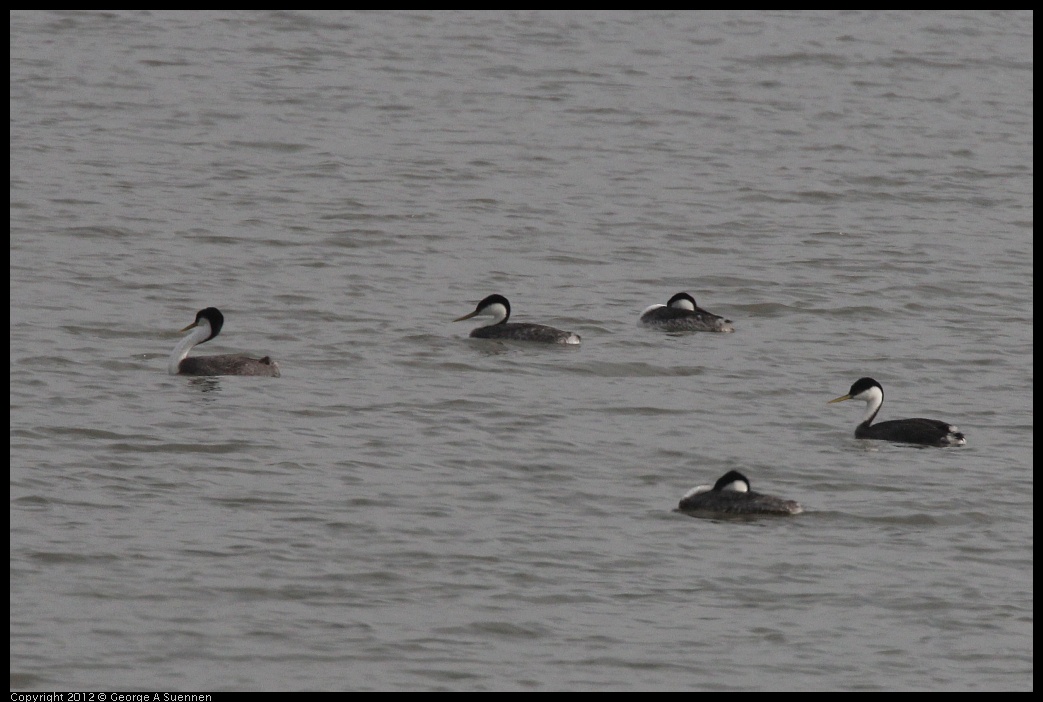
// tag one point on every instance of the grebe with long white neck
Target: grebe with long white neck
(928, 432)
(207, 326)
(680, 313)
(497, 307)
(731, 494)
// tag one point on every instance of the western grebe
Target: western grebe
(931, 432)
(681, 313)
(731, 494)
(208, 325)
(497, 307)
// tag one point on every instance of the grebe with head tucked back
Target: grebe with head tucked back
(207, 326)
(731, 494)
(497, 307)
(681, 313)
(929, 432)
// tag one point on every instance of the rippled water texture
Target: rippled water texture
(410, 509)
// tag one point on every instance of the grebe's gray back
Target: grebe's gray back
(731, 494)
(497, 307)
(207, 326)
(928, 432)
(681, 313)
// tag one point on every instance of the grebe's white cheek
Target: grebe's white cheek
(737, 486)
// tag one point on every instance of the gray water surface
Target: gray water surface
(410, 509)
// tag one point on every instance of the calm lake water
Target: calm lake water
(410, 509)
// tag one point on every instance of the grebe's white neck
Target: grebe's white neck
(874, 399)
(200, 333)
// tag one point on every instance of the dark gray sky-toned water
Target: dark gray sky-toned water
(409, 509)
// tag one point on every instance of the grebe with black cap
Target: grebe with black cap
(680, 313)
(207, 326)
(497, 307)
(731, 494)
(929, 432)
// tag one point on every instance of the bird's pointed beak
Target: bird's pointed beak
(839, 399)
(466, 316)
